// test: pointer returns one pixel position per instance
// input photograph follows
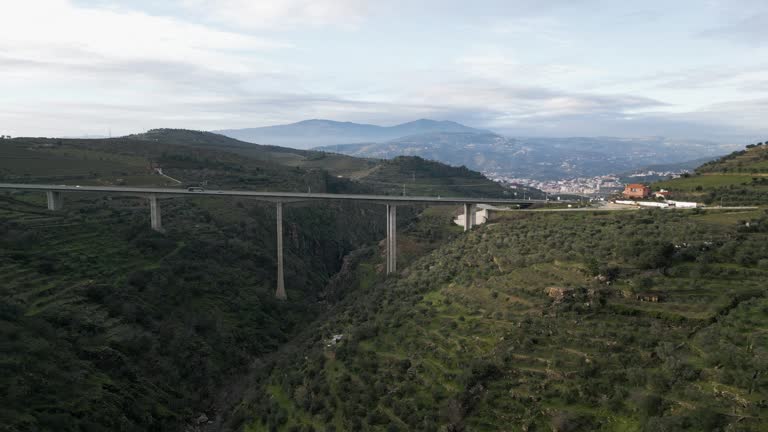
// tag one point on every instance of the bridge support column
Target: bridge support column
(467, 210)
(280, 292)
(469, 216)
(55, 200)
(391, 238)
(154, 213)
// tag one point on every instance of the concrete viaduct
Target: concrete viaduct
(54, 194)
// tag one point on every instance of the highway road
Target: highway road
(274, 196)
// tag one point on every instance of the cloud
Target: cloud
(750, 30)
(283, 14)
(67, 37)
(74, 68)
(495, 65)
(124, 34)
(53, 52)
(546, 29)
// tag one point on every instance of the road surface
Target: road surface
(275, 196)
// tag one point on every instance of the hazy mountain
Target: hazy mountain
(542, 158)
(312, 133)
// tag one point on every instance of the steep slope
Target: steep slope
(107, 325)
(740, 178)
(753, 160)
(538, 158)
(313, 133)
(576, 322)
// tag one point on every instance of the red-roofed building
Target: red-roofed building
(636, 190)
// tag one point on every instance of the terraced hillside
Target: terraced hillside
(740, 178)
(753, 159)
(566, 322)
(107, 325)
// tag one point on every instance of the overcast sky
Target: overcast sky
(523, 67)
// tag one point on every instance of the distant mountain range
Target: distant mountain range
(538, 158)
(485, 151)
(312, 133)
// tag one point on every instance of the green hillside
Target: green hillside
(107, 325)
(417, 176)
(753, 160)
(193, 156)
(336, 164)
(740, 178)
(627, 321)
(543, 322)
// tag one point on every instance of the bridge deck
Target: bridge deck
(394, 199)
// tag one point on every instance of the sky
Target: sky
(692, 69)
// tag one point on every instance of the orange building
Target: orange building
(636, 190)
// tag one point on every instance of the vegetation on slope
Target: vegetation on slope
(753, 159)
(740, 178)
(416, 176)
(193, 156)
(107, 325)
(645, 329)
(618, 322)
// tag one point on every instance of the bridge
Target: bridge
(54, 194)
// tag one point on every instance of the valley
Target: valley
(614, 321)
(611, 322)
(398, 216)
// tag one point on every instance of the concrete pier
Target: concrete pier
(391, 238)
(154, 213)
(54, 197)
(469, 216)
(467, 210)
(55, 200)
(280, 292)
